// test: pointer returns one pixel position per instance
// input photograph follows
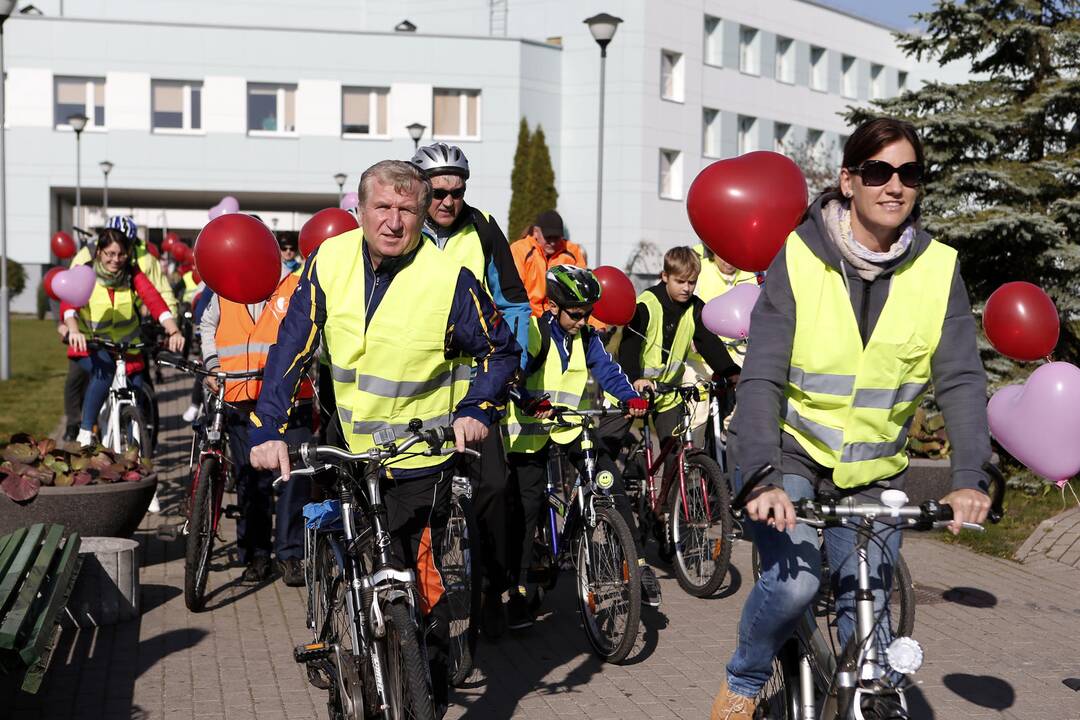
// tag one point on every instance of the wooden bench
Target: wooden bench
(38, 567)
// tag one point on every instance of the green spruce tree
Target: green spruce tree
(1003, 148)
(545, 196)
(521, 184)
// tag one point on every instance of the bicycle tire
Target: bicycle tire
(610, 642)
(132, 429)
(456, 569)
(406, 672)
(146, 399)
(700, 564)
(346, 698)
(200, 535)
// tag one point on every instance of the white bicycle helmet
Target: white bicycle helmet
(441, 159)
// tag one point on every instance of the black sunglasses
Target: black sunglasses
(440, 193)
(578, 316)
(875, 173)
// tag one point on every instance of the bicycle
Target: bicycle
(601, 543)
(680, 508)
(457, 572)
(211, 472)
(809, 680)
(121, 420)
(363, 608)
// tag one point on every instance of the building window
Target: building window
(363, 111)
(785, 60)
(747, 134)
(749, 50)
(819, 69)
(713, 44)
(901, 81)
(79, 96)
(877, 82)
(271, 109)
(671, 174)
(710, 132)
(848, 71)
(815, 144)
(671, 75)
(781, 138)
(176, 105)
(456, 113)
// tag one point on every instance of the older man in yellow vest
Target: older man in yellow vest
(394, 316)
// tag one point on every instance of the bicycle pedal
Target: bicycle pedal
(169, 533)
(311, 652)
(233, 512)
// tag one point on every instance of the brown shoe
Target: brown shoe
(729, 705)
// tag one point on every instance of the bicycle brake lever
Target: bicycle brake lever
(941, 525)
(280, 480)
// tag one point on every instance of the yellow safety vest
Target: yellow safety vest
(465, 249)
(526, 434)
(657, 362)
(394, 369)
(712, 284)
(850, 406)
(116, 318)
(190, 286)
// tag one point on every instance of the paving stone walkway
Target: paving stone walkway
(1056, 539)
(999, 638)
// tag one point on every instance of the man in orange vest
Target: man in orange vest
(544, 247)
(236, 338)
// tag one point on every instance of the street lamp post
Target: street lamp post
(78, 123)
(6, 8)
(340, 179)
(602, 27)
(416, 131)
(106, 168)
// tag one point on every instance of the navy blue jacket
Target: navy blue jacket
(474, 328)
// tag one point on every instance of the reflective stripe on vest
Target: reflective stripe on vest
(850, 406)
(526, 434)
(665, 364)
(394, 369)
(243, 344)
(115, 318)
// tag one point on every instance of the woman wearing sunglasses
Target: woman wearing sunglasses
(861, 311)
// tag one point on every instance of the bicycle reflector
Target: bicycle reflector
(905, 655)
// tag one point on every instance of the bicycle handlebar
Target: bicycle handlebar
(308, 454)
(188, 366)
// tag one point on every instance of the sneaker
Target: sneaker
(493, 619)
(291, 571)
(85, 438)
(257, 570)
(650, 586)
(730, 705)
(155, 505)
(191, 413)
(518, 613)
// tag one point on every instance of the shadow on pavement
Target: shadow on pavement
(970, 597)
(983, 690)
(917, 705)
(155, 595)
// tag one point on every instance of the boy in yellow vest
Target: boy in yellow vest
(563, 350)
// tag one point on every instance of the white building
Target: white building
(267, 100)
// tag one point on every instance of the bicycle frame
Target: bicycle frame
(676, 447)
(119, 396)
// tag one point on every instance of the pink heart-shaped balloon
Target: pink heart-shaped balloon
(216, 211)
(1039, 422)
(728, 315)
(75, 286)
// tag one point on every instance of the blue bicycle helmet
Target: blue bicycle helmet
(124, 224)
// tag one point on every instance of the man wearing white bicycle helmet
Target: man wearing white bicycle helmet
(472, 239)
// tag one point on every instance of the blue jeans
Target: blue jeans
(101, 368)
(790, 575)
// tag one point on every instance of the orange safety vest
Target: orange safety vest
(243, 344)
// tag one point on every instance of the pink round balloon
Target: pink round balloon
(728, 315)
(229, 204)
(74, 286)
(349, 201)
(215, 211)
(1039, 422)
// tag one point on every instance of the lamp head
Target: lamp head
(340, 179)
(106, 166)
(416, 131)
(603, 27)
(78, 122)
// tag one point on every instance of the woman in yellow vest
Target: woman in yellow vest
(861, 311)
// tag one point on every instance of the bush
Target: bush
(16, 277)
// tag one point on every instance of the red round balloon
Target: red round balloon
(63, 245)
(238, 258)
(153, 250)
(1021, 321)
(618, 299)
(179, 251)
(323, 225)
(171, 237)
(168, 241)
(47, 281)
(744, 208)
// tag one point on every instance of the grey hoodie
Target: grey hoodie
(959, 380)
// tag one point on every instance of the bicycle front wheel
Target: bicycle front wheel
(408, 685)
(133, 432)
(456, 568)
(609, 585)
(779, 699)
(701, 563)
(202, 519)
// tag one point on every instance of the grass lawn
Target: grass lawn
(1023, 513)
(33, 399)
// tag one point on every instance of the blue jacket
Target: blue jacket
(474, 328)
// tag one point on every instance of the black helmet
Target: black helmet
(441, 159)
(569, 286)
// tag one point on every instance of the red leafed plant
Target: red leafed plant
(28, 464)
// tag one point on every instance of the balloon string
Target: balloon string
(663, 350)
(1050, 357)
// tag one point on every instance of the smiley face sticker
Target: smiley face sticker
(605, 480)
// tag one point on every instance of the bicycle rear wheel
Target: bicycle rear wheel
(701, 563)
(609, 585)
(334, 626)
(456, 566)
(408, 684)
(202, 520)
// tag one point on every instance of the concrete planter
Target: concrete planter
(112, 510)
